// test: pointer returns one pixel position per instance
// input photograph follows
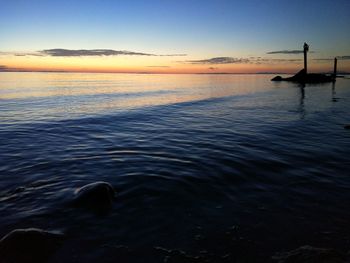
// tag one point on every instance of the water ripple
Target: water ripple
(186, 166)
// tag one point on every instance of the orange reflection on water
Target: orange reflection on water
(86, 93)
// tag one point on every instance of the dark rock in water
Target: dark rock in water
(29, 245)
(299, 76)
(309, 254)
(95, 195)
(303, 77)
(277, 78)
(347, 126)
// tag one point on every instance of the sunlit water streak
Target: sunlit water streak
(191, 156)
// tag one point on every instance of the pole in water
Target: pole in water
(306, 49)
(335, 68)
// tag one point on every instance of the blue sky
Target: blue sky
(201, 29)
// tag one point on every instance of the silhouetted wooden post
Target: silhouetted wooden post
(335, 68)
(306, 49)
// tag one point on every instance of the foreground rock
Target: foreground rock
(98, 195)
(347, 126)
(309, 254)
(29, 245)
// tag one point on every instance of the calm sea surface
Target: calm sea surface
(228, 167)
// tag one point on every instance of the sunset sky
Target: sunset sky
(173, 36)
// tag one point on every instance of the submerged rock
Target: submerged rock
(95, 195)
(347, 126)
(29, 245)
(309, 254)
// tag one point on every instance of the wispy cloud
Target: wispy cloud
(158, 66)
(231, 60)
(285, 60)
(218, 60)
(22, 54)
(260, 60)
(286, 52)
(289, 52)
(172, 55)
(60, 52)
(3, 68)
(323, 59)
(344, 57)
(330, 59)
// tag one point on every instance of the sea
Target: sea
(206, 167)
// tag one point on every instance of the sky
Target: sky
(173, 36)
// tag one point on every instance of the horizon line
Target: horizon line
(132, 72)
(163, 73)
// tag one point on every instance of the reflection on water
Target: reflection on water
(25, 85)
(62, 95)
(228, 168)
(302, 98)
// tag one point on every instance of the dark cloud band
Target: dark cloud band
(289, 52)
(231, 60)
(61, 52)
(286, 52)
(218, 60)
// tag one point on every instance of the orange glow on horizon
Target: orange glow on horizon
(154, 65)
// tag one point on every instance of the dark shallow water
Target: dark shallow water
(230, 167)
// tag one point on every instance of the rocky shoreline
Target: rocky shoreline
(34, 245)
